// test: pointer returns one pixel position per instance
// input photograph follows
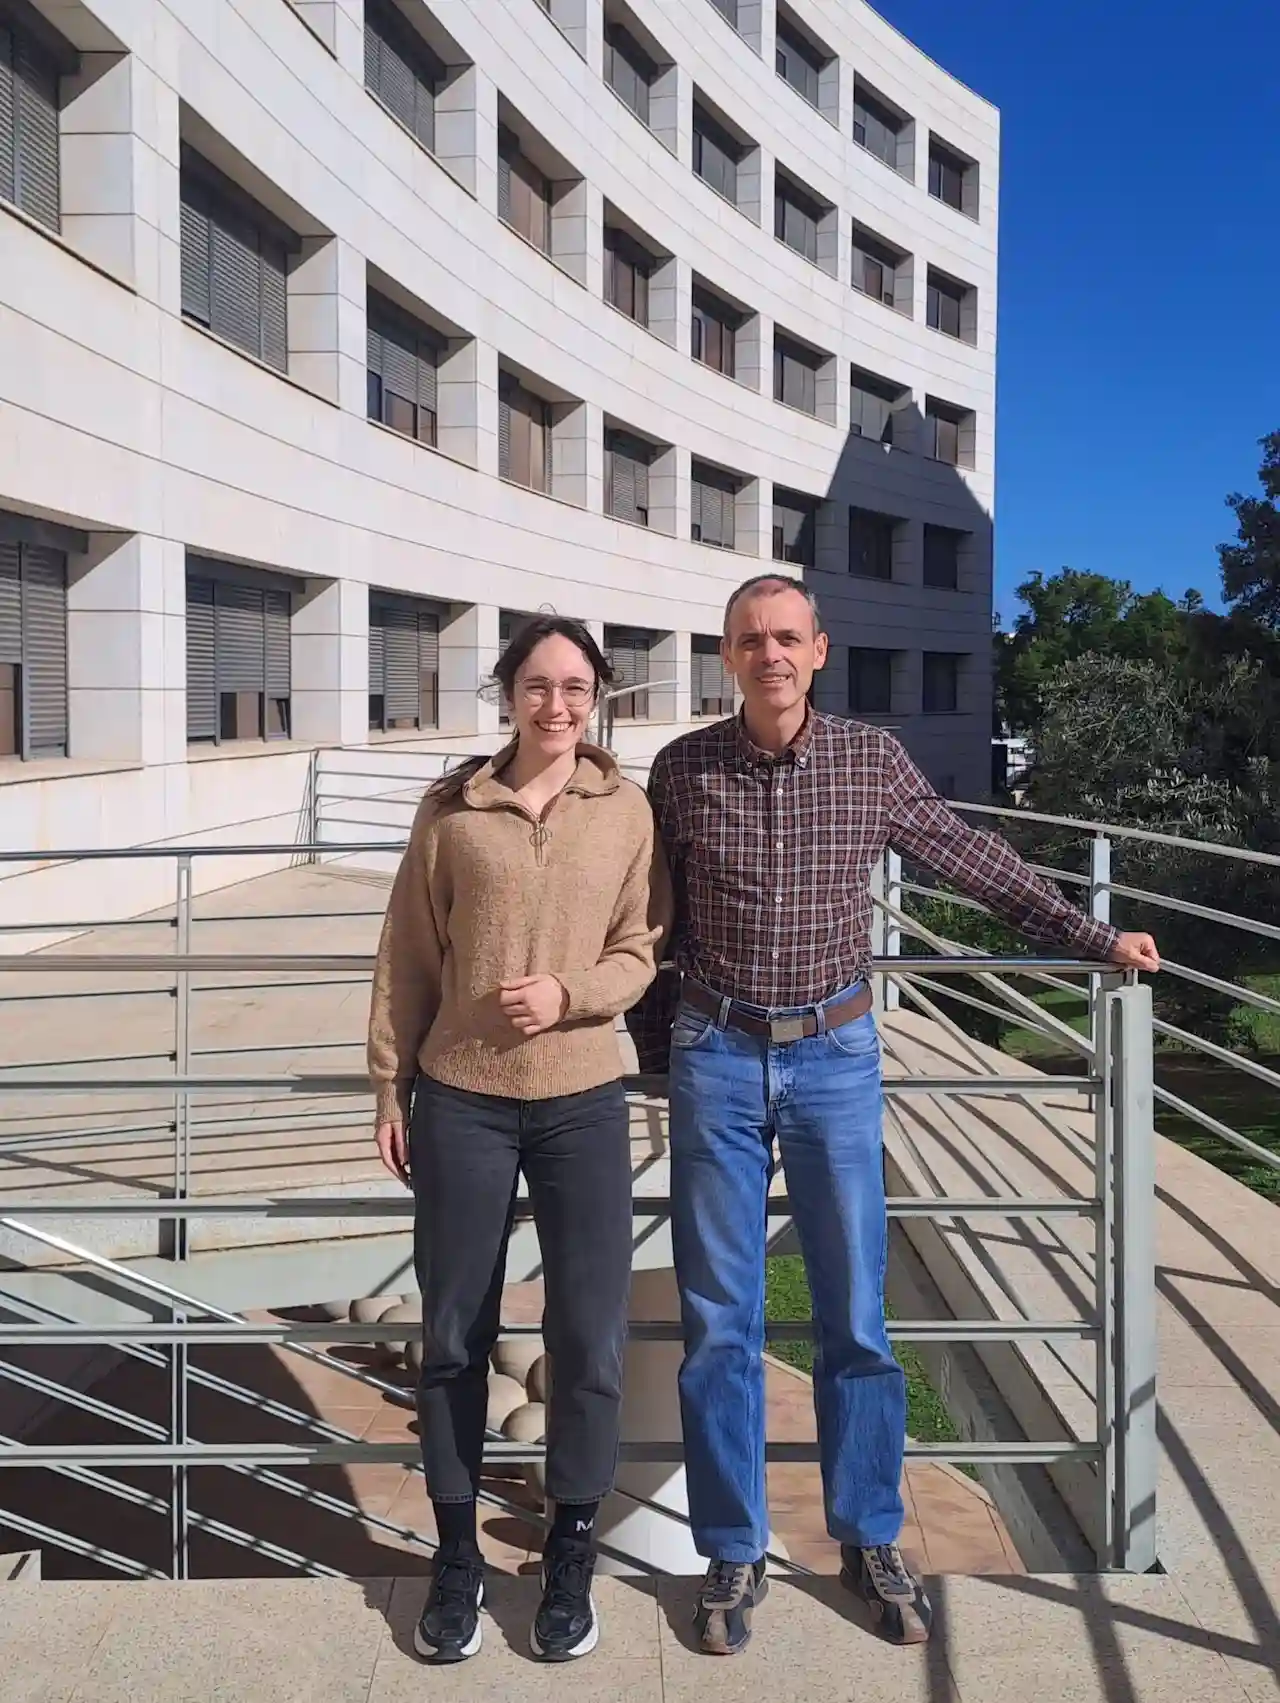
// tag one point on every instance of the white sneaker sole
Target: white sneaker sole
(583, 1648)
(435, 1653)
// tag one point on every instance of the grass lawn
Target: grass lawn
(786, 1296)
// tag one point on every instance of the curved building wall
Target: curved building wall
(134, 439)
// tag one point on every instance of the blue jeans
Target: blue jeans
(731, 1095)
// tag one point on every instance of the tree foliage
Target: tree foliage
(1251, 566)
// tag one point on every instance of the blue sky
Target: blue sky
(1140, 272)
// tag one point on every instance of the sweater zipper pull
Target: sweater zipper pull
(538, 839)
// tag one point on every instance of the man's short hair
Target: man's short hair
(769, 583)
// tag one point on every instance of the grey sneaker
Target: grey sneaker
(896, 1598)
(726, 1602)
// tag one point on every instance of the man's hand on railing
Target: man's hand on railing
(393, 1150)
(1135, 952)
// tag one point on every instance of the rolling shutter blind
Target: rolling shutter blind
(504, 437)
(8, 138)
(429, 644)
(234, 275)
(240, 637)
(504, 188)
(712, 683)
(278, 661)
(628, 476)
(10, 604)
(44, 619)
(401, 72)
(36, 113)
(202, 676)
(628, 650)
(713, 507)
(400, 637)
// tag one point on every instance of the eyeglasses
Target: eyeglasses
(575, 693)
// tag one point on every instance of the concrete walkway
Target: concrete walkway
(1046, 1640)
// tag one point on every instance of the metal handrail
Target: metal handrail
(1113, 830)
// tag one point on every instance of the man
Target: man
(773, 822)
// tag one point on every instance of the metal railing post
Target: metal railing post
(1100, 911)
(178, 1386)
(1134, 1267)
(1104, 1282)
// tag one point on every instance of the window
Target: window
(626, 477)
(871, 682)
(941, 678)
(402, 364)
(404, 664)
(727, 9)
(715, 155)
(949, 433)
(873, 404)
(795, 375)
(627, 270)
(628, 70)
(796, 217)
(628, 651)
(524, 194)
(238, 661)
(871, 537)
(952, 178)
(875, 126)
(945, 310)
(876, 271)
(524, 436)
(942, 557)
(712, 685)
(29, 155)
(714, 332)
(401, 70)
(33, 649)
(795, 528)
(799, 62)
(713, 502)
(234, 260)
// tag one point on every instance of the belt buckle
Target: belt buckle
(784, 1030)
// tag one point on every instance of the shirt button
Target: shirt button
(778, 844)
(777, 898)
(777, 954)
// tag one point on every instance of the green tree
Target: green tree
(1251, 566)
(1072, 614)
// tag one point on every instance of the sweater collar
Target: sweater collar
(596, 776)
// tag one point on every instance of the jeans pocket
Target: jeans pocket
(859, 1039)
(691, 1029)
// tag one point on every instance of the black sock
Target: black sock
(575, 1521)
(456, 1526)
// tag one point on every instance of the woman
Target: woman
(525, 916)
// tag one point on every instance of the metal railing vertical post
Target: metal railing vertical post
(178, 1391)
(1104, 1282)
(1100, 911)
(1136, 1453)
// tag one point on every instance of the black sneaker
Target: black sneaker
(565, 1625)
(726, 1603)
(896, 1598)
(449, 1630)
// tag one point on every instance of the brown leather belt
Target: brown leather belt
(780, 1031)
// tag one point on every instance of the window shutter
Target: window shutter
(426, 376)
(240, 638)
(373, 349)
(372, 57)
(44, 619)
(377, 653)
(696, 523)
(403, 689)
(429, 643)
(424, 125)
(36, 153)
(10, 604)
(202, 677)
(504, 188)
(397, 85)
(728, 515)
(275, 309)
(195, 261)
(7, 138)
(622, 483)
(278, 671)
(642, 490)
(235, 293)
(504, 437)
(399, 365)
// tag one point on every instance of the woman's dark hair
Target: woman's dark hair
(521, 647)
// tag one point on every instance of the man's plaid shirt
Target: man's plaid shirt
(771, 859)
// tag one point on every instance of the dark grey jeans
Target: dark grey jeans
(465, 1154)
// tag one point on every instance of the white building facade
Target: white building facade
(335, 335)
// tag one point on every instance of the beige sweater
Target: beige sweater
(484, 894)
